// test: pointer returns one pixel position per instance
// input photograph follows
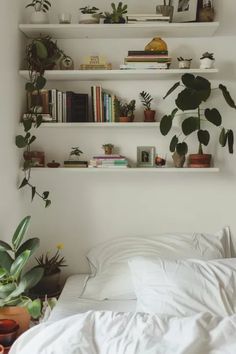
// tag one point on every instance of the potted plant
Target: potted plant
(41, 7)
(117, 14)
(14, 281)
(207, 61)
(184, 63)
(197, 90)
(89, 15)
(75, 153)
(51, 265)
(146, 99)
(165, 10)
(108, 148)
(124, 111)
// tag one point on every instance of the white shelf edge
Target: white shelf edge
(130, 170)
(100, 125)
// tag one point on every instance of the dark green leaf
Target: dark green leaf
(41, 49)
(173, 88)
(32, 139)
(188, 80)
(5, 246)
(223, 137)
(19, 264)
(5, 261)
(6, 290)
(39, 120)
(187, 100)
(2, 273)
(166, 124)
(227, 96)
(33, 191)
(203, 137)
(32, 244)
(20, 141)
(20, 232)
(40, 82)
(45, 195)
(190, 125)
(34, 308)
(23, 183)
(32, 277)
(182, 149)
(47, 203)
(231, 141)
(213, 116)
(173, 143)
(27, 123)
(29, 87)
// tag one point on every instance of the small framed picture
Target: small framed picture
(185, 10)
(146, 156)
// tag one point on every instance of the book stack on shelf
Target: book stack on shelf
(103, 108)
(147, 18)
(145, 59)
(109, 161)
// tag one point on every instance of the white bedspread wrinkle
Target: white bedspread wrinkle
(107, 332)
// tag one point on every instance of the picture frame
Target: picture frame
(146, 156)
(185, 10)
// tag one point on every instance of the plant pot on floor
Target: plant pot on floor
(149, 115)
(18, 314)
(49, 284)
(39, 17)
(199, 161)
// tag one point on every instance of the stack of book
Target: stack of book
(108, 161)
(147, 18)
(103, 109)
(75, 163)
(144, 59)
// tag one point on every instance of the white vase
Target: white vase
(39, 17)
(207, 63)
(88, 18)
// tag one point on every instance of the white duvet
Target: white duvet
(107, 332)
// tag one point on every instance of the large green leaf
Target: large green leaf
(32, 244)
(32, 277)
(223, 137)
(173, 88)
(190, 125)
(6, 290)
(173, 143)
(15, 293)
(5, 261)
(40, 82)
(27, 124)
(2, 273)
(5, 246)
(34, 308)
(165, 125)
(19, 264)
(203, 137)
(182, 149)
(41, 49)
(20, 232)
(213, 116)
(188, 80)
(231, 141)
(20, 141)
(188, 100)
(227, 96)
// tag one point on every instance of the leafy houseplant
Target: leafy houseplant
(207, 60)
(89, 15)
(146, 100)
(41, 7)
(196, 91)
(14, 282)
(124, 111)
(75, 152)
(117, 14)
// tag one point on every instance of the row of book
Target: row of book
(108, 161)
(145, 59)
(103, 107)
(147, 18)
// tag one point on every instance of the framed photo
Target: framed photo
(146, 156)
(185, 10)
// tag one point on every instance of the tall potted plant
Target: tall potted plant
(14, 281)
(146, 99)
(39, 15)
(197, 90)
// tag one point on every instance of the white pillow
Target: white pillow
(184, 287)
(109, 261)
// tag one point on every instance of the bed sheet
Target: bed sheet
(70, 303)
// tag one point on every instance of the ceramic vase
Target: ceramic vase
(88, 19)
(157, 44)
(179, 160)
(39, 17)
(207, 63)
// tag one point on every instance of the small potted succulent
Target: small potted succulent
(184, 63)
(41, 7)
(146, 99)
(75, 153)
(108, 148)
(124, 111)
(117, 14)
(207, 61)
(89, 15)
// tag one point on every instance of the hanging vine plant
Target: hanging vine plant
(41, 54)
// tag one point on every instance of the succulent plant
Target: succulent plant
(116, 16)
(208, 55)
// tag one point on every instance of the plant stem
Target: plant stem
(200, 150)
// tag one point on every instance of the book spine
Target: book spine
(98, 104)
(113, 116)
(64, 108)
(59, 106)
(68, 106)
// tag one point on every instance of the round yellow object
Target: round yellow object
(156, 44)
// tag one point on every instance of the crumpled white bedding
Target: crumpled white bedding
(107, 332)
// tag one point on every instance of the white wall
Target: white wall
(89, 208)
(11, 204)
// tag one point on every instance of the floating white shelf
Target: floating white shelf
(128, 170)
(100, 125)
(144, 30)
(105, 75)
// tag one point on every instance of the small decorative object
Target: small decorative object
(184, 63)
(95, 62)
(75, 153)
(199, 90)
(159, 161)
(65, 18)
(146, 99)
(73, 160)
(117, 14)
(36, 158)
(66, 63)
(157, 44)
(89, 15)
(165, 10)
(179, 160)
(206, 12)
(184, 10)
(8, 332)
(53, 164)
(146, 156)
(41, 7)
(51, 265)
(207, 61)
(124, 111)
(108, 148)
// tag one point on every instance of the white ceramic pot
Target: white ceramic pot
(207, 63)
(184, 64)
(88, 18)
(39, 17)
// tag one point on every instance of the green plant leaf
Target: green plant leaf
(34, 307)
(41, 49)
(27, 123)
(182, 149)
(19, 264)
(45, 195)
(172, 89)
(20, 232)
(20, 141)
(223, 137)
(32, 277)
(39, 120)
(5, 261)
(187, 100)
(165, 125)
(188, 80)
(47, 203)
(40, 82)
(4, 246)
(227, 96)
(173, 143)
(231, 141)
(33, 192)
(29, 87)
(203, 137)
(190, 125)
(213, 116)
(32, 244)
(2, 273)
(6, 290)
(32, 139)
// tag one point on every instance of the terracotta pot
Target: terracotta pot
(149, 115)
(125, 119)
(18, 314)
(8, 332)
(199, 161)
(48, 284)
(179, 160)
